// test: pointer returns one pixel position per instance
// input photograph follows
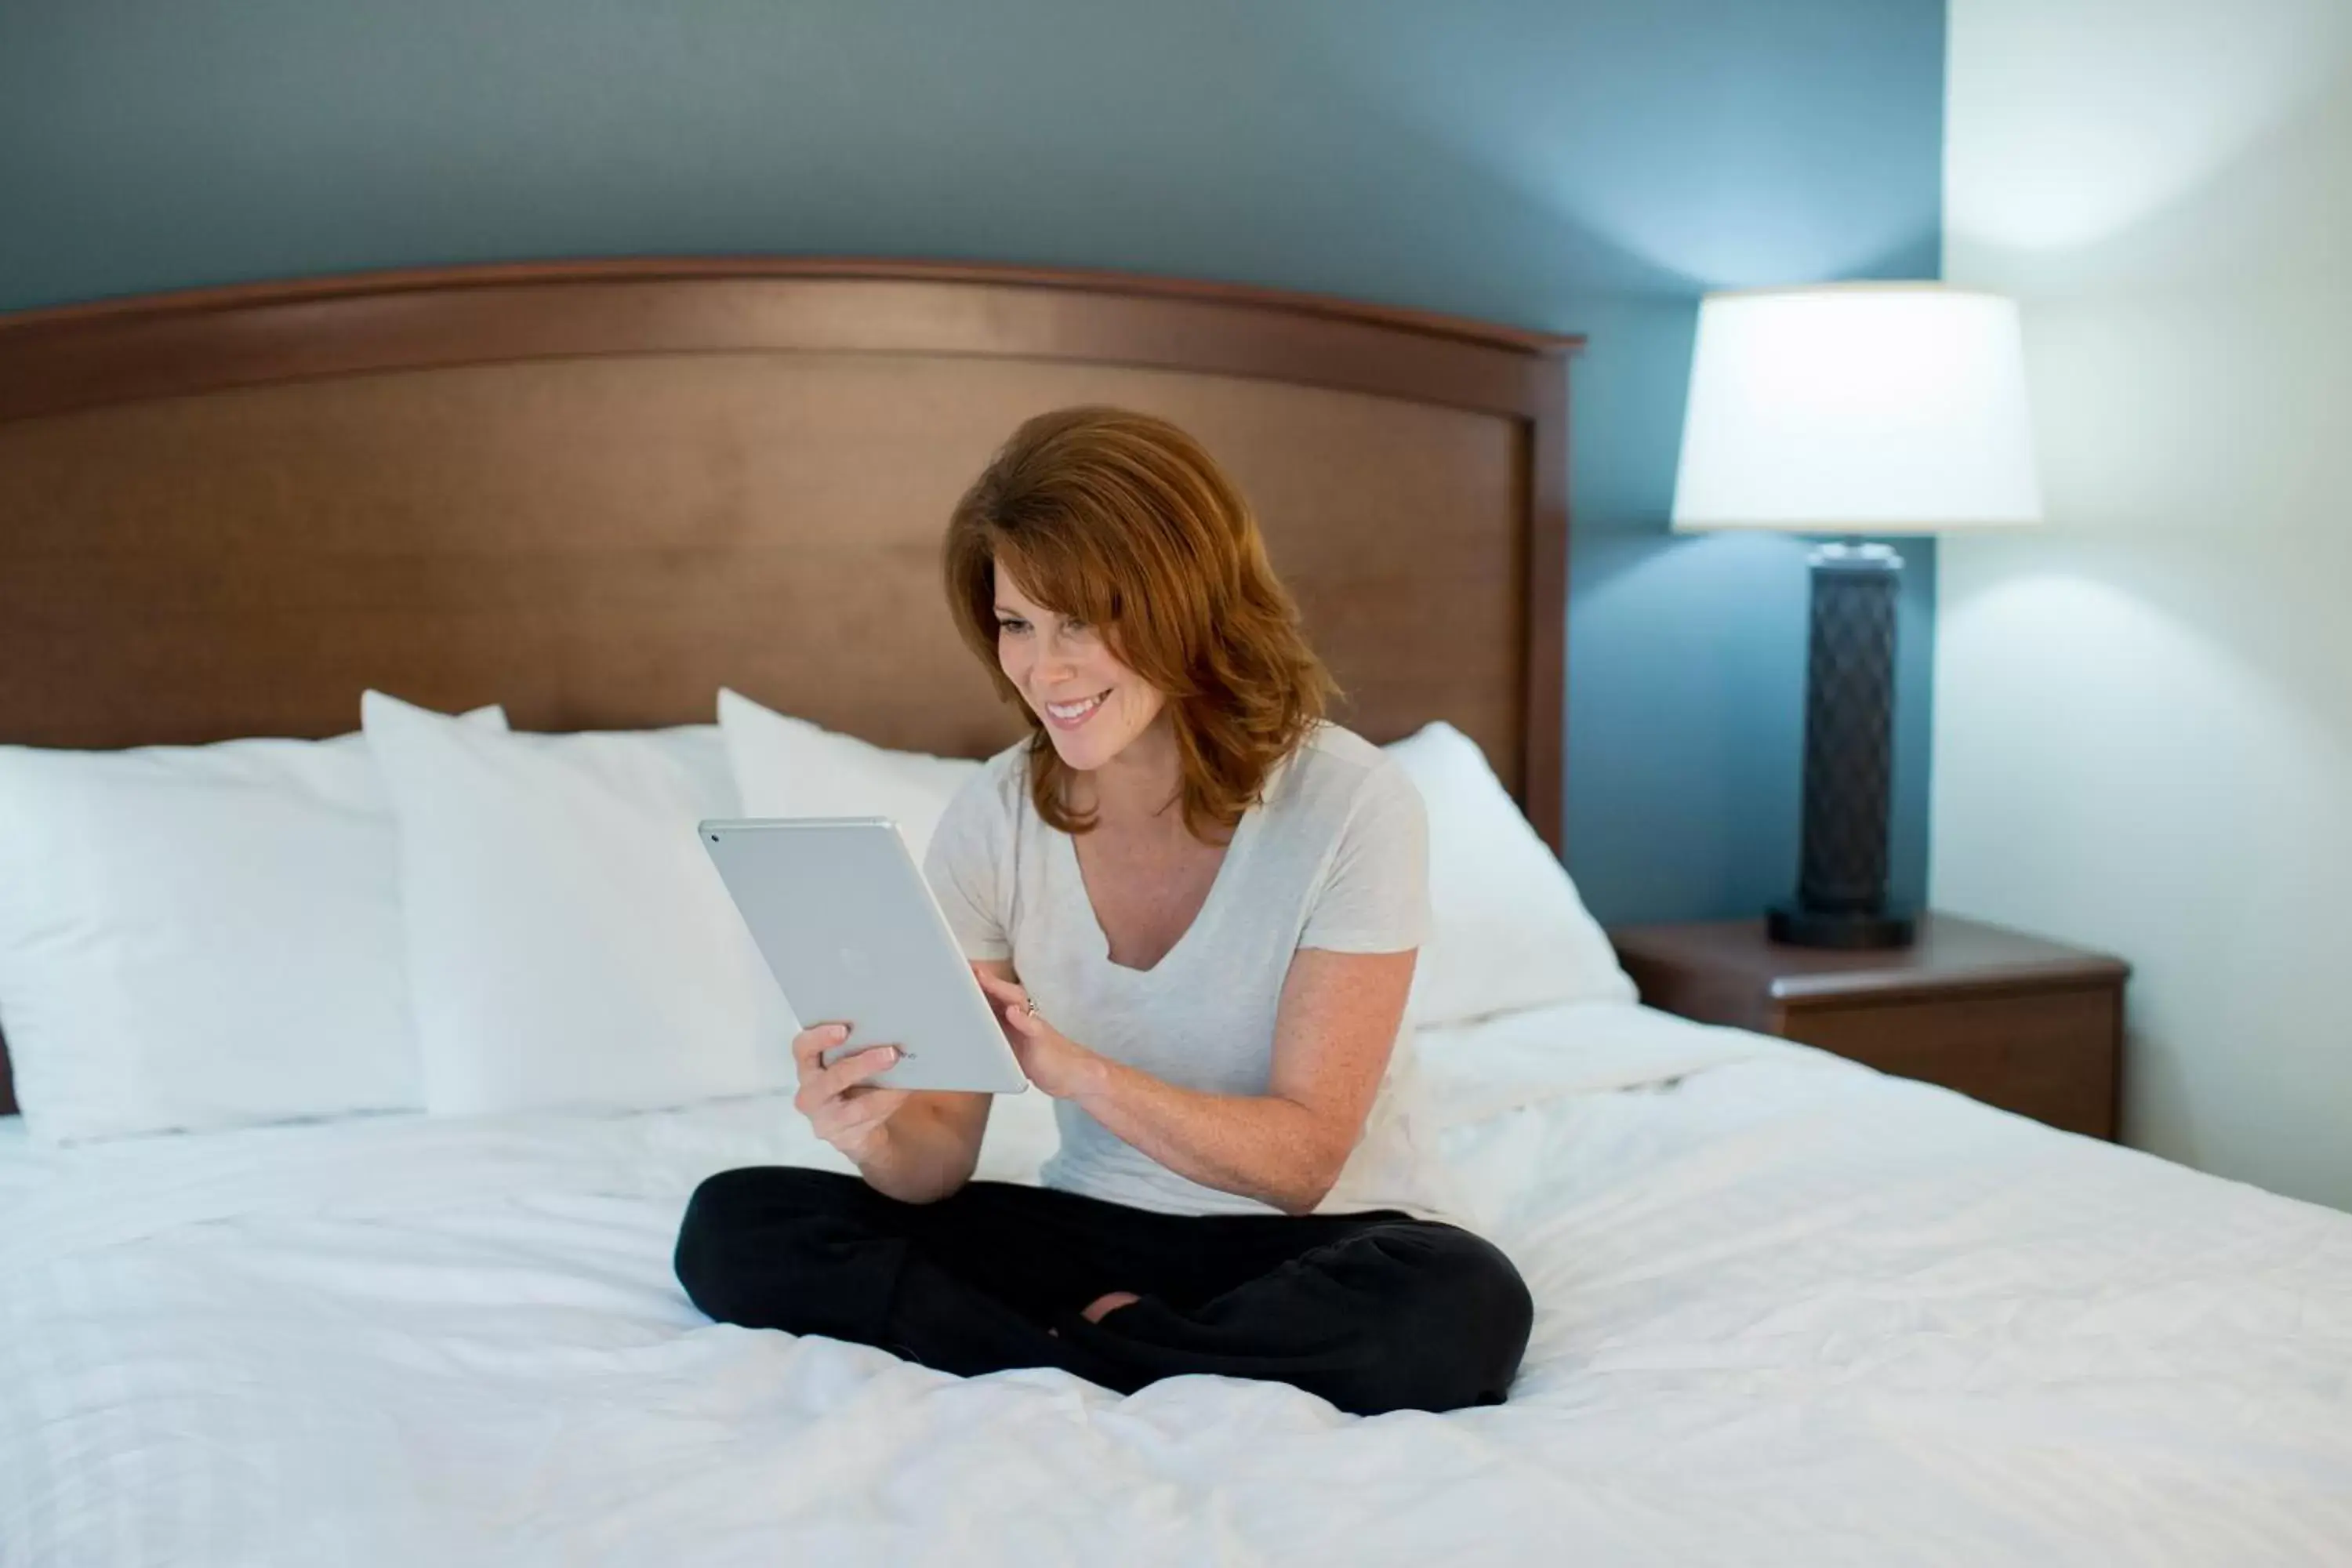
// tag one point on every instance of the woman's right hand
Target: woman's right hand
(846, 1112)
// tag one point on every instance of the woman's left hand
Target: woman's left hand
(1053, 1061)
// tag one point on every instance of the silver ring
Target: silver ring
(1031, 1003)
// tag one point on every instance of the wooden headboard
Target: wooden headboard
(596, 491)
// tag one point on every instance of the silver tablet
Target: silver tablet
(853, 933)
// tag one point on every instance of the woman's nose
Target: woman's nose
(1053, 657)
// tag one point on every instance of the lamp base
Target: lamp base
(1799, 927)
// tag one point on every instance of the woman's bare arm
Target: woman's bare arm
(931, 1145)
(927, 1148)
(1334, 1030)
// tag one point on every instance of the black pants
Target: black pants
(1372, 1311)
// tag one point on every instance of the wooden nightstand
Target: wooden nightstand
(2027, 1024)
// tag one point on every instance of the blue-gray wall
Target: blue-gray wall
(1583, 166)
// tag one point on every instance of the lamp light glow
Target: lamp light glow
(1858, 408)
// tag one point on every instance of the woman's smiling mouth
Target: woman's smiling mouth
(1070, 715)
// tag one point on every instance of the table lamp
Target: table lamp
(1853, 408)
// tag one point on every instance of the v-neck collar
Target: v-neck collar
(1244, 832)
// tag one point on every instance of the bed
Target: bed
(1788, 1309)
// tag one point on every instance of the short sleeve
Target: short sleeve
(968, 868)
(1374, 896)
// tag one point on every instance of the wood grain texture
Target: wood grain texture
(2051, 1053)
(205, 340)
(596, 491)
(2031, 1026)
(1950, 954)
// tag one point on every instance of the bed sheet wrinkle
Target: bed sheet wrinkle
(1787, 1311)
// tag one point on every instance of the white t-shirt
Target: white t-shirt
(1336, 855)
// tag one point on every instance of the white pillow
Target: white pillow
(1507, 929)
(700, 749)
(199, 937)
(790, 767)
(569, 942)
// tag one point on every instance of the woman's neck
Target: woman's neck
(1140, 789)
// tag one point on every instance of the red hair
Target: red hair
(1127, 522)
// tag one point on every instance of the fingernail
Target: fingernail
(838, 1031)
(897, 1055)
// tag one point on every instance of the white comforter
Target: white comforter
(1787, 1311)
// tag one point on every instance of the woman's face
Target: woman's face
(1090, 703)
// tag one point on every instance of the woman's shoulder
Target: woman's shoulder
(1336, 745)
(1332, 771)
(1002, 784)
(1008, 769)
(1352, 821)
(988, 803)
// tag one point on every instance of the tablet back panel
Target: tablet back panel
(853, 934)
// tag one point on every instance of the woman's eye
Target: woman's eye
(1010, 625)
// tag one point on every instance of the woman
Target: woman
(1196, 907)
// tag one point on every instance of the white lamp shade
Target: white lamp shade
(1858, 408)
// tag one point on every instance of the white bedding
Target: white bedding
(1788, 1311)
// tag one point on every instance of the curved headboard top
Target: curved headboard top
(595, 491)
(205, 339)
